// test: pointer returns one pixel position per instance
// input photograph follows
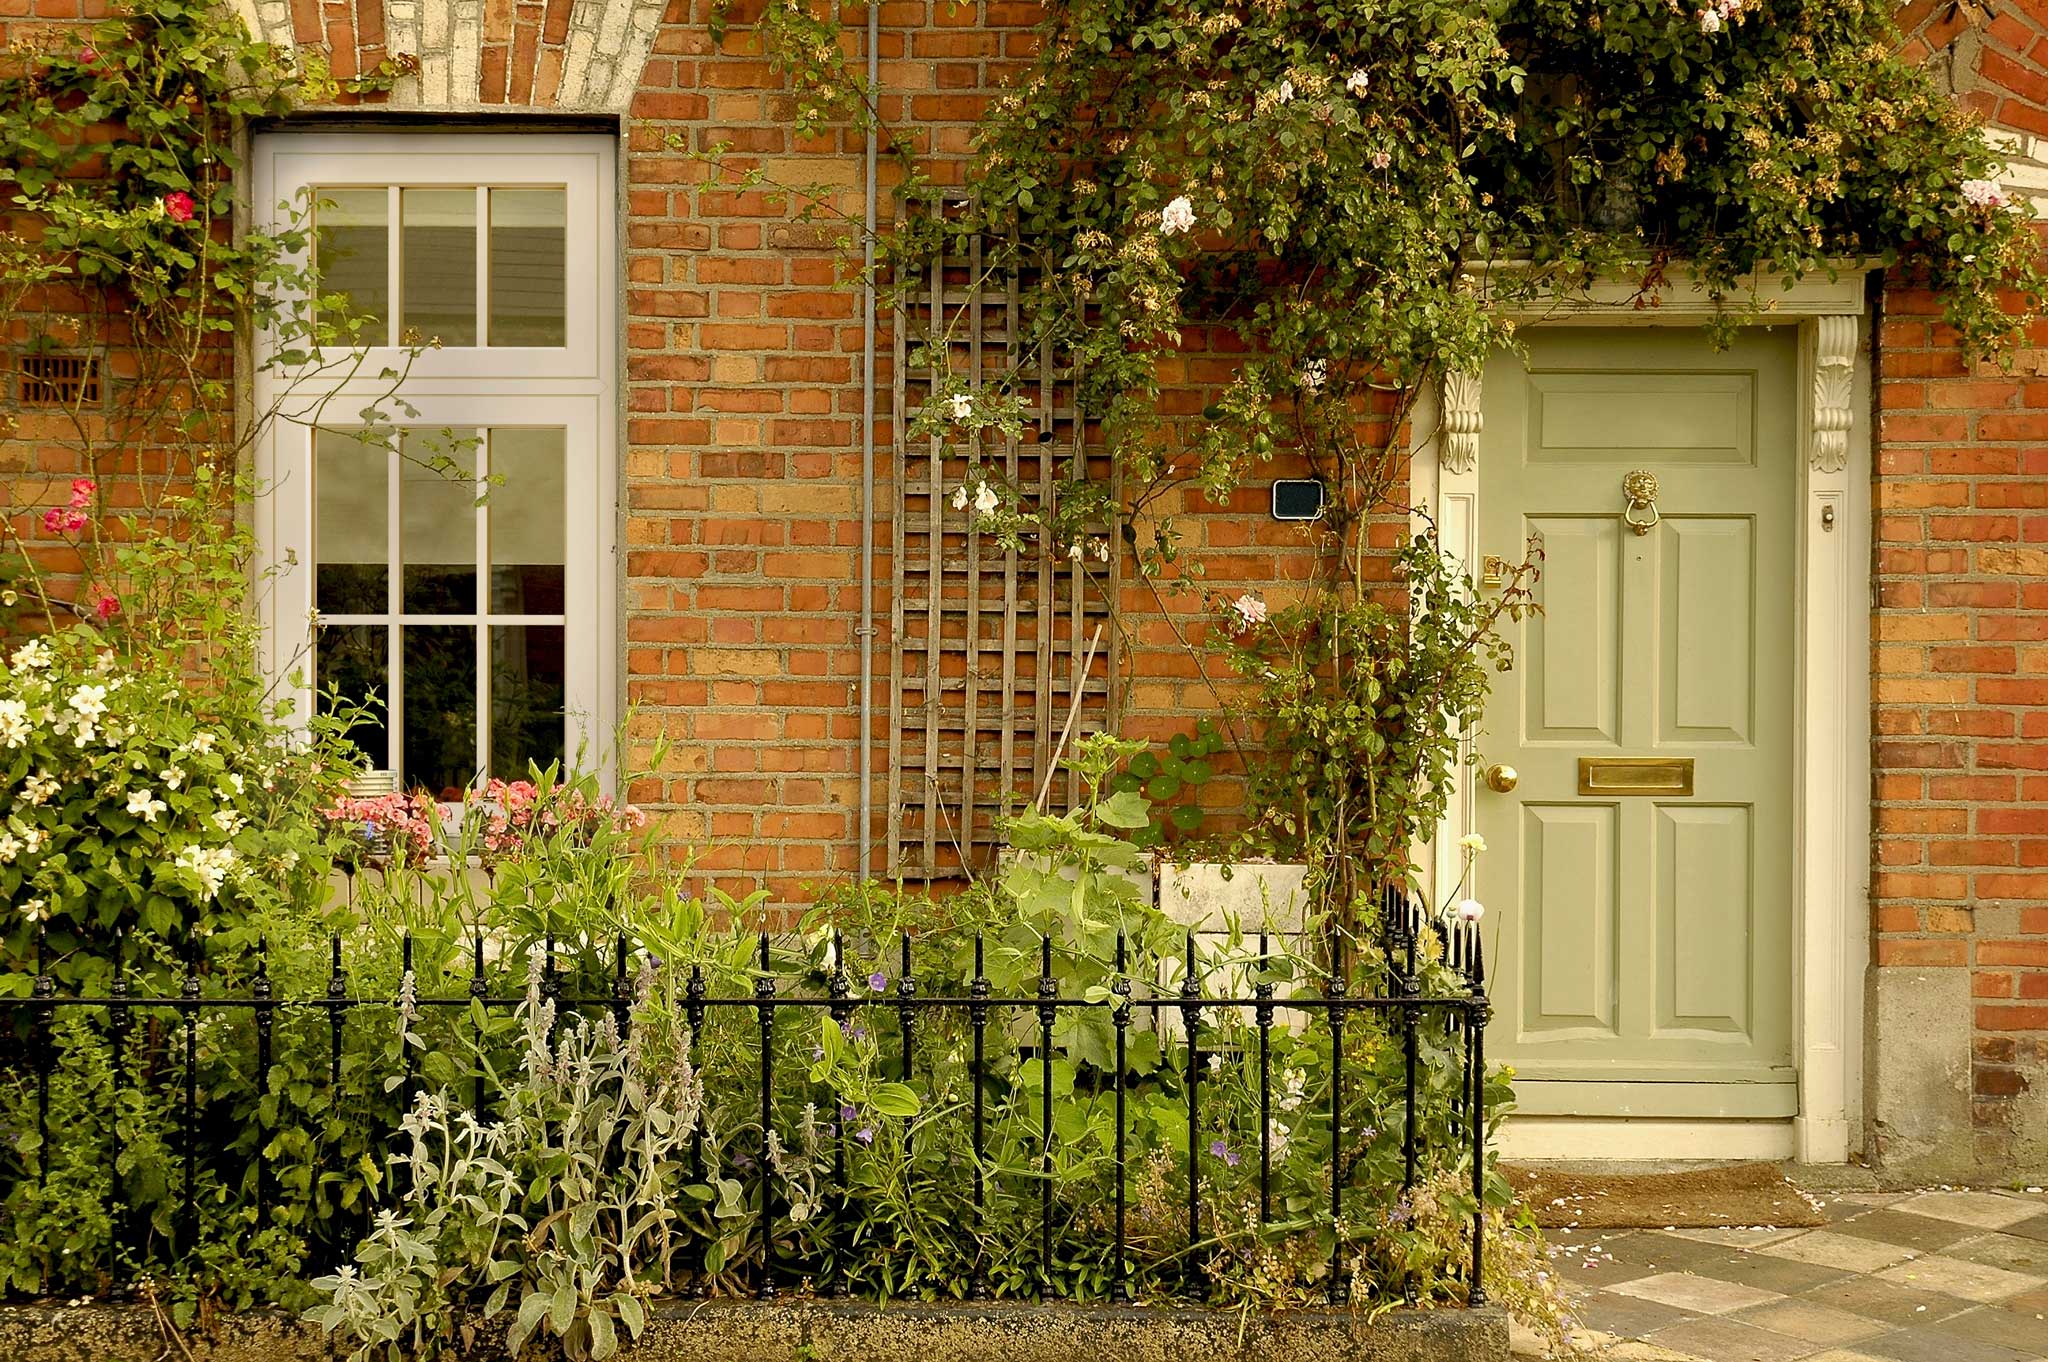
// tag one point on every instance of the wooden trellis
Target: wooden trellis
(988, 643)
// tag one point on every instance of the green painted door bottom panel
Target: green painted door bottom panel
(1645, 933)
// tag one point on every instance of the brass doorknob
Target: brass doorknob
(1502, 778)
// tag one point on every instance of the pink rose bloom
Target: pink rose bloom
(179, 205)
(65, 520)
(88, 55)
(81, 492)
(105, 607)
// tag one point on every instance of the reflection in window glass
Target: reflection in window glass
(351, 252)
(352, 668)
(351, 540)
(437, 522)
(528, 269)
(437, 266)
(527, 688)
(440, 708)
(529, 521)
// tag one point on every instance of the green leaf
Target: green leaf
(1124, 809)
(894, 1099)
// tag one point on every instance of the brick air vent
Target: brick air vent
(59, 380)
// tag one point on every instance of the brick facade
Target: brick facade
(741, 536)
(1960, 634)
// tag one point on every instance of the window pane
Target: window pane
(529, 522)
(529, 258)
(352, 662)
(351, 252)
(439, 722)
(438, 266)
(437, 515)
(351, 524)
(527, 724)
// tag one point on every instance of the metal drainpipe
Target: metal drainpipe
(867, 458)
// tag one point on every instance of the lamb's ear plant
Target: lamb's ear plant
(559, 1208)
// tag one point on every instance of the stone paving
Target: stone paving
(1930, 1276)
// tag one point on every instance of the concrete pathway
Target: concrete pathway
(1929, 1276)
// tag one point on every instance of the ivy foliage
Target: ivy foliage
(1363, 191)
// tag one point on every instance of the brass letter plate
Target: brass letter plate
(1635, 775)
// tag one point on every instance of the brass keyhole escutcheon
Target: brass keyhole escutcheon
(1640, 487)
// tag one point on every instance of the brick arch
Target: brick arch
(554, 54)
(1994, 59)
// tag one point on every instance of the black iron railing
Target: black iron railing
(1408, 1014)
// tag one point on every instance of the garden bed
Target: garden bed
(840, 1331)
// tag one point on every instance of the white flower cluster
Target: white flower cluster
(1718, 13)
(1983, 194)
(984, 498)
(210, 864)
(1293, 1090)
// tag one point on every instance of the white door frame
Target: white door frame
(1831, 711)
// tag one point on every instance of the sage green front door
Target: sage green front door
(1640, 869)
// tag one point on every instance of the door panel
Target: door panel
(1581, 416)
(1571, 961)
(1707, 629)
(1644, 956)
(1571, 666)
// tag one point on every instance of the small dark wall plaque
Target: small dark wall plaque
(1297, 499)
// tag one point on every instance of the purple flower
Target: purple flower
(866, 1134)
(817, 1052)
(857, 1031)
(846, 1112)
(1224, 1152)
(1400, 1214)
(878, 981)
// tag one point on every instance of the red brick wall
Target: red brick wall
(1960, 635)
(743, 536)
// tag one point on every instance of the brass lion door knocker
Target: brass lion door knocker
(1640, 487)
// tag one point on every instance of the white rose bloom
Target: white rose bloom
(1472, 841)
(960, 497)
(963, 406)
(986, 500)
(1286, 92)
(1250, 609)
(1357, 81)
(1177, 217)
(1074, 551)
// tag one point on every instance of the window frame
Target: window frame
(573, 386)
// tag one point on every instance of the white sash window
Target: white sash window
(458, 570)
